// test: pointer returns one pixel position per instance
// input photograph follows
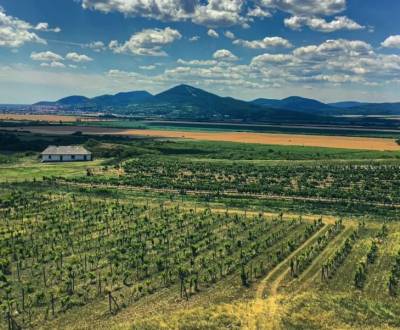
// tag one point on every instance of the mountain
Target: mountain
(121, 98)
(373, 109)
(347, 104)
(296, 103)
(72, 100)
(188, 102)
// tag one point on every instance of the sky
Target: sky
(331, 50)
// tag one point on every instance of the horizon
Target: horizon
(178, 85)
(331, 50)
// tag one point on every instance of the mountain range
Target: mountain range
(187, 102)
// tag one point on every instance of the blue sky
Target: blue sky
(326, 49)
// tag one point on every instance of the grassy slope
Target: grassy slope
(28, 168)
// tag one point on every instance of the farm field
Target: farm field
(346, 142)
(186, 234)
(47, 118)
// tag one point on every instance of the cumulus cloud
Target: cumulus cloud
(75, 57)
(53, 64)
(334, 47)
(307, 7)
(197, 62)
(210, 13)
(147, 42)
(15, 32)
(46, 57)
(271, 58)
(212, 33)
(229, 35)
(320, 24)
(218, 13)
(96, 46)
(45, 27)
(264, 43)
(147, 67)
(224, 55)
(194, 38)
(392, 42)
(258, 12)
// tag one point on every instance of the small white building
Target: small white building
(65, 154)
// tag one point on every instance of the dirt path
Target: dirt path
(312, 272)
(270, 307)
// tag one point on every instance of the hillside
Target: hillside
(296, 103)
(190, 103)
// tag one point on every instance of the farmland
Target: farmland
(184, 234)
(366, 143)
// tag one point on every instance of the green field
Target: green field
(160, 234)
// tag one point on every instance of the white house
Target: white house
(65, 154)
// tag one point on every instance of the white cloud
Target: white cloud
(147, 42)
(75, 57)
(53, 64)
(264, 43)
(258, 12)
(319, 24)
(335, 47)
(217, 12)
(224, 55)
(210, 13)
(147, 67)
(96, 46)
(307, 7)
(212, 33)
(46, 57)
(15, 32)
(271, 58)
(194, 38)
(45, 27)
(197, 62)
(229, 35)
(392, 42)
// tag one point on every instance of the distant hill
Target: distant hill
(347, 104)
(296, 103)
(187, 102)
(191, 103)
(124, 98)
(71, 100)
(373, 109)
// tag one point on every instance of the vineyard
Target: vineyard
(138, 243)
(63, 252)
(362, 182)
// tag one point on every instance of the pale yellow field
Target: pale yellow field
(364, 143)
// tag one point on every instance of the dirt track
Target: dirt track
(345, 142)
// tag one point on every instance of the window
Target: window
(73, 157)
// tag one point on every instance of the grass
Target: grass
(29, 168)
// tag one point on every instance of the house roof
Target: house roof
(65, 150)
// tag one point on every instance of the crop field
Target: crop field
(157, 234)
(45, 118)
(346, 142)
(363, 182)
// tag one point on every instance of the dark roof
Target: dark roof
(65, 150)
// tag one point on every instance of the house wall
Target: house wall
(65, 158)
